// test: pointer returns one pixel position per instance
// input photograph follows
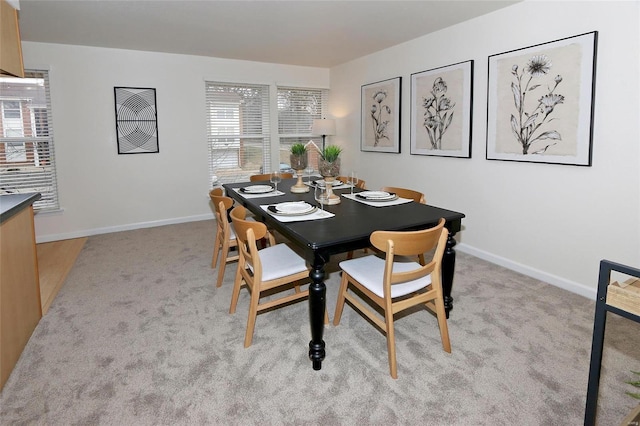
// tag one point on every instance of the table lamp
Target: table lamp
(324, 128)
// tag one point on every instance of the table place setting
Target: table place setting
(377, 198)
(258, 191)
(337, 184)
(296, 211)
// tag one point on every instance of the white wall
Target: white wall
(553, 222)
(549, 221)
(101, 191)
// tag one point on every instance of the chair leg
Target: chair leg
(442, 324)
(237, 284)
(340, 303)
(391, 344)
(253, 313)
(216, 250)
(223, 262)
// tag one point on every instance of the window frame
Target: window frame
(34, 169)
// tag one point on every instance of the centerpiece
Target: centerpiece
(298, 158)
(329, 168)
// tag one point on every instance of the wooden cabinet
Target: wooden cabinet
(20, 306)
(10, 45)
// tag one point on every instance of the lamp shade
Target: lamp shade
(323, 127)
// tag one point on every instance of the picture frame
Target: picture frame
(540, 102)
(441, 111)
(380, 121)
(136, 120)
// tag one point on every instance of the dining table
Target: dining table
(344, 227)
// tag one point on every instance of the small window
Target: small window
(27, 160)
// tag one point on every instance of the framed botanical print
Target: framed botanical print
(540, 102)
(441, 109)
(380, 124)
(136, 120)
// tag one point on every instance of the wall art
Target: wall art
(441, 110)
(380, 123)
(136, 120)
(540, 102)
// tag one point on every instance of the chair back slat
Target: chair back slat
(222, 204)
(248, 233)
(416, 196)
(411, 243)
(267, 176)
(359, 184)
(216, 191)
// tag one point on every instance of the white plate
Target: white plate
(294, 207)
(257, 189)
(333, 185)
(374, 194)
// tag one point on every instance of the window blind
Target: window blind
(27, 158)
(297, 108)
(238, 131)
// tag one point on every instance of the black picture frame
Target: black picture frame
(136, 120)
(380, 119)
(540, 102)
(442, 111)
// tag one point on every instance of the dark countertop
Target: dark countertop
(12, 204)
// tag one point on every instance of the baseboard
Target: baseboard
(554, 280)
(119, 228)
(565, 284)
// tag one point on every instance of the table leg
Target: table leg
(448, 267)
(317, 307)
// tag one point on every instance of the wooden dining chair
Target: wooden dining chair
(265, 270)
(416, 196)
(216, 191)
(225, 239)
(267, 176)
(359, 184)
(394, 285)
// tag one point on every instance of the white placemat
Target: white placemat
(342, 185)
(263, 195)
(395, 202)
(318, 214)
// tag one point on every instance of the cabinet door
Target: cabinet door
(10, 46)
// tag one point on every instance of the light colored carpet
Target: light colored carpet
(139, 335)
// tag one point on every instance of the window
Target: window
(297, 108)
(26, 140)
(237, 130)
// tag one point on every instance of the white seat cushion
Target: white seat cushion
(369, 271)
(279, 261)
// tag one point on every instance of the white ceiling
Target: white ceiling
(303, 32)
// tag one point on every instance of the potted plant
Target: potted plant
(298, 159)
(329, 163)
(329, 167)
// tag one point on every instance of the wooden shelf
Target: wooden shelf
(623, 300)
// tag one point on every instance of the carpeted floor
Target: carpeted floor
(139, 335)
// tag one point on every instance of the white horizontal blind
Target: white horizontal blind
(297, 108)
(27, 160)
(237, 130)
